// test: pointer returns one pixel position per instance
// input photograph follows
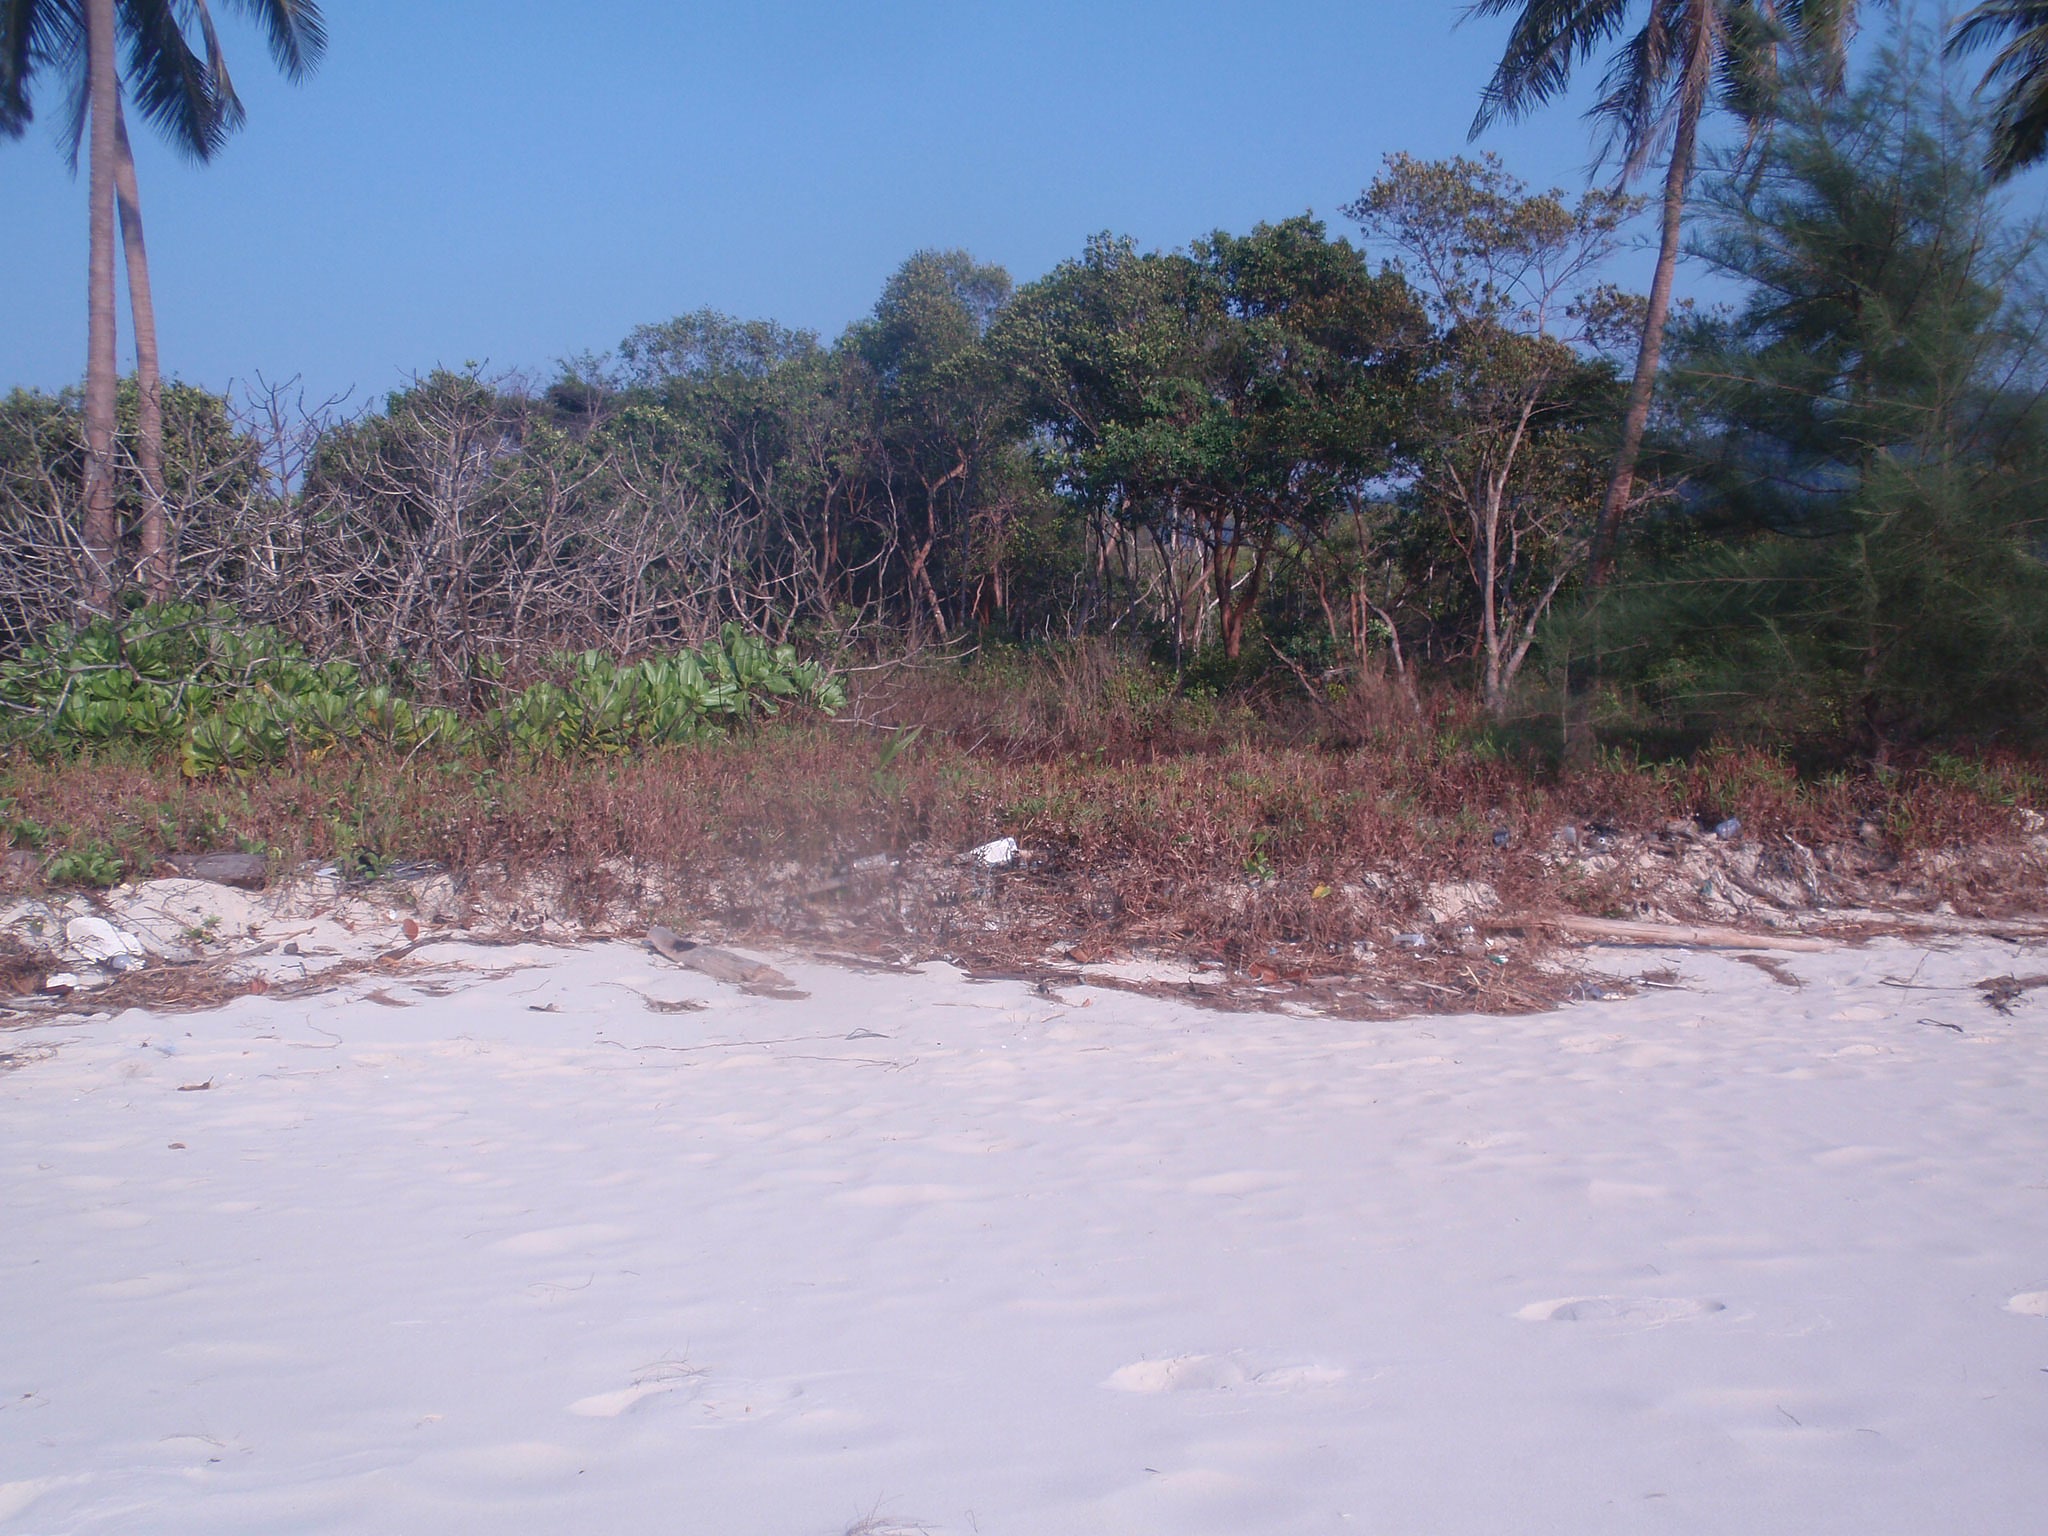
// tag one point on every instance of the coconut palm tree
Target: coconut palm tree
(191, 99)
(2019, 120)
(1682, 58)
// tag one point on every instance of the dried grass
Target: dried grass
(1271, 838)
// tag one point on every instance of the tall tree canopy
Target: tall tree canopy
(1223, 398)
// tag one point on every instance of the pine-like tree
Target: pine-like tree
(1864, 440)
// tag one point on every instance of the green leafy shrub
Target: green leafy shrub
(224, 696)
(91, 862)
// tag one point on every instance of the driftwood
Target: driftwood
(248, 871)
(1678, 935)
(721, 964)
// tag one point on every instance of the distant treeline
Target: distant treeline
(1288, 453)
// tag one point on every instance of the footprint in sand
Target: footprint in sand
(1215, 1373)
(2029, 1304)
(1640, 1311)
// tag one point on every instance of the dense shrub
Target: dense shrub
(227, 696)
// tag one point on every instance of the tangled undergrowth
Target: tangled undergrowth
(1255, 837)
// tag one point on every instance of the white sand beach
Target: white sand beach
(507, 1250)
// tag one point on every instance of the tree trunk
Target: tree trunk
(1580, 674)
(1677, 178)
(100, 365)
(159, 551)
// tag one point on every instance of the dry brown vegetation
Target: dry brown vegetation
(1286, 846)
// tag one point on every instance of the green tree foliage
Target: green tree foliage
(884, 477)
(1858, 553)
(1223, 400)
(1504, 460)
(943, 412)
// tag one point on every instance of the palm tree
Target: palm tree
(2019, 120)
(192, 100)
(1685, 56)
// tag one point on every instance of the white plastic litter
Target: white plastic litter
(999, 854)
(98, 941)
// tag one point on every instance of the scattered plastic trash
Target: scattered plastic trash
(99, 941)
(1502, 838)
(62, 981)
(1731, 828)
(1412, 940)
(1000, 854)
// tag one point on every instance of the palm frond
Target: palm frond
(2019, 118)
(1635, 93)
(1748, 78)
(1986, 23)
(226, 102)
(1549, 37)
(32, 33)
(297, 32)
(1824, 30)
(171, 85)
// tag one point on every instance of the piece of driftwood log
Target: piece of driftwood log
(1680, 935)
(246, 871)
(721, 964)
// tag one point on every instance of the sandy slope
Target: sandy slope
(959, 1258)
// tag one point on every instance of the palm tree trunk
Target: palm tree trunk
(1582, 672)
(1621, 483)
(159, 553)
(100, 367)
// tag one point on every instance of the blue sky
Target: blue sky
(511, 183)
